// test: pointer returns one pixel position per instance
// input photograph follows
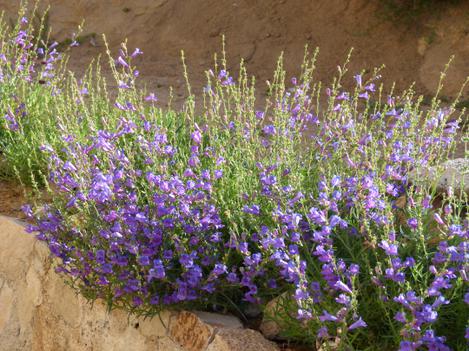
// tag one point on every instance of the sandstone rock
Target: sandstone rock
(452, 173)
(270, 326)
(241, 339)
(191, 332)
(202, 331)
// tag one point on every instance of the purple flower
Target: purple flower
(136, 52)
(400, 317)
(391, 249)
(360, 323)
(358, 79)
(370, 87)
(364, 95)
(218, 173)
(144, 260)
(158, 270)
(151, 97)
(301, 294)
(413, 223)
(253, 209)
(304, 314)
(427, 314)
(343, 299)
(344, 287)
(335, 181)
(438, 219)
(269, 129)
(323, 333)
(326, 316)
(196, 137)
(122, 62)
(407, 346)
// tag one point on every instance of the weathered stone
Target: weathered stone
(270, 326)
(190, 332)
(452, 173)
(241, 339)
(195, 330)
(202, 331)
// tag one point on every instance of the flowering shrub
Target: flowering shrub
(311, 196)
(38, 97)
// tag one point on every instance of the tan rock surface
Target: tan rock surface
(270, 325)
(202, 331)
(241, 339)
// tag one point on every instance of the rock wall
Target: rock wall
(38, 312)
(258, 31)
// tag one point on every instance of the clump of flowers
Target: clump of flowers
(164, 249)
(32, 78)
(153, 208)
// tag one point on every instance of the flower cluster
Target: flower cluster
(153, 208)
(166, 250)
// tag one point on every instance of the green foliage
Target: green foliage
(344, 154)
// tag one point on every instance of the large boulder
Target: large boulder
(39, 312)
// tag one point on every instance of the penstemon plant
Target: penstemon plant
(225, 204)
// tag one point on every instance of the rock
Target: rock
(422, 45)
(270, 326)
(39, 312)
(195, 330)
(452, 173)
(449, 42)
(241, 339)
(202, 331)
